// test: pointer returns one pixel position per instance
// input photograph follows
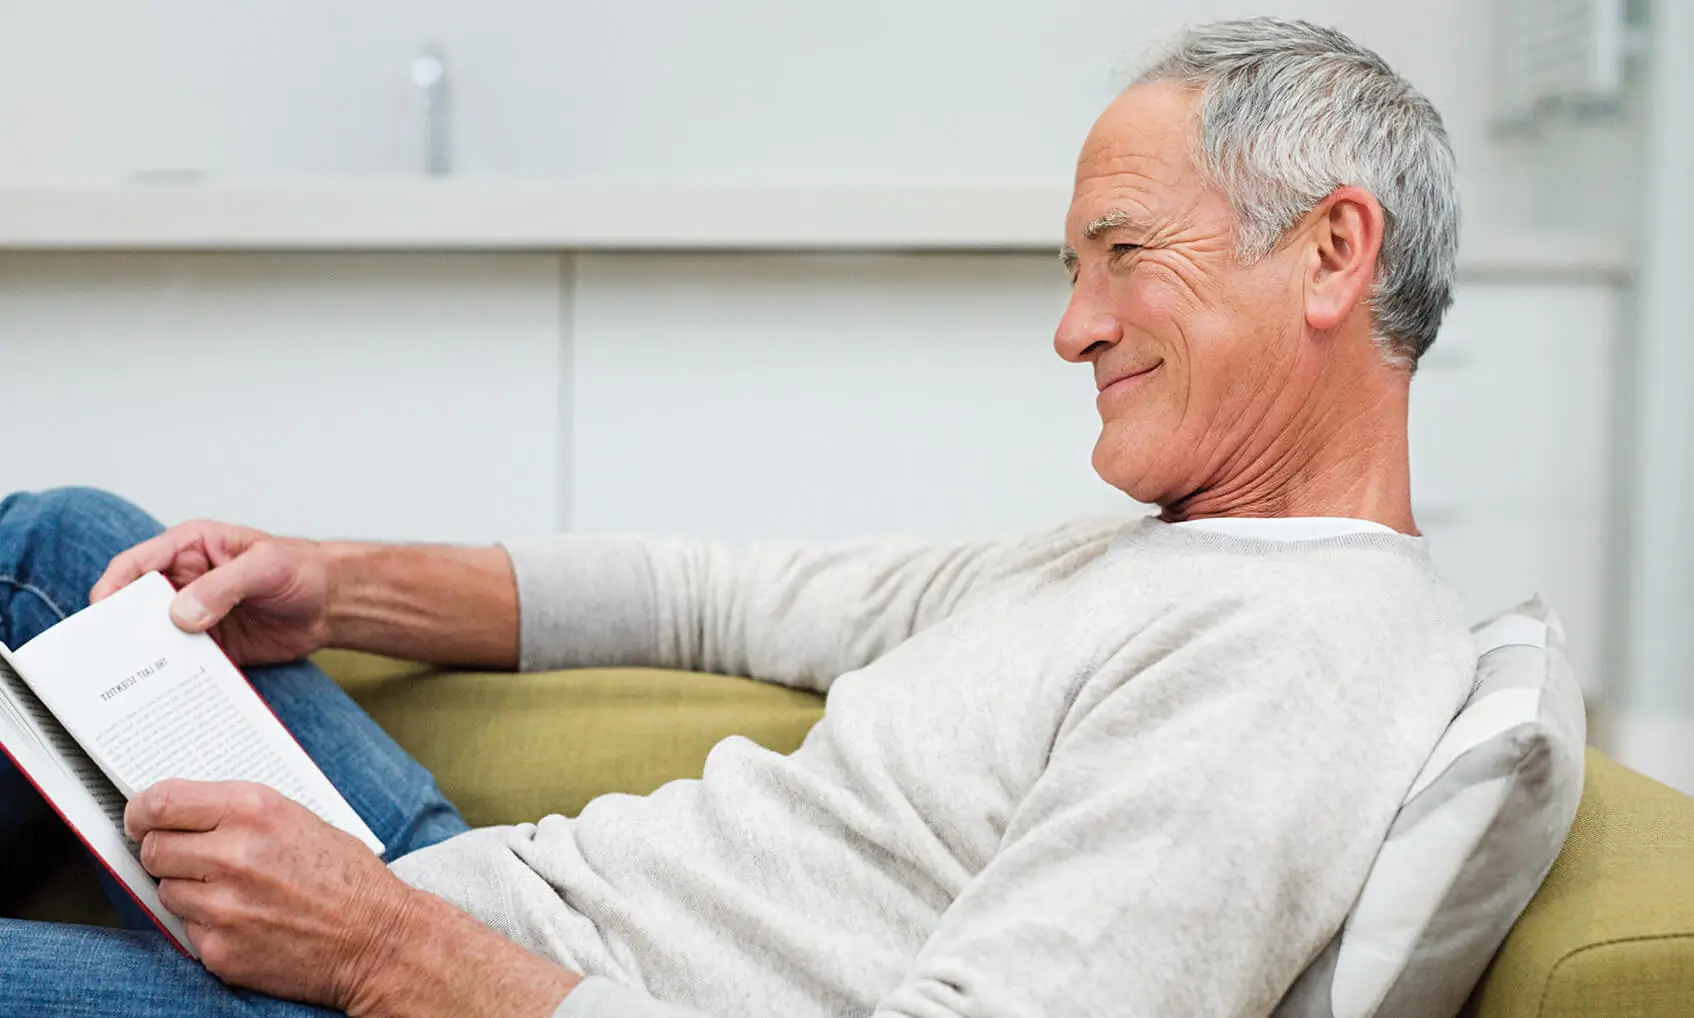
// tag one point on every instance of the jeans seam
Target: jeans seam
(31, 588)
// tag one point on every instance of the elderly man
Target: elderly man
(1132, 766)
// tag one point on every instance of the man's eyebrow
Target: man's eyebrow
(1111, 221)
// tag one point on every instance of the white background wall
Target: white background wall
(1656, 722)
(742, 89)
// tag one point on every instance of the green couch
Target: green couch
(1610, 934)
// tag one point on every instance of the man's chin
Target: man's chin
(1129, 474)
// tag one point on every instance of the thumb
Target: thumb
(204, 603)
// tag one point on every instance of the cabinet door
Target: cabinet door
(392, 396)
(828, 396)
(1512, 452)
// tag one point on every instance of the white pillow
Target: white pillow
(1473, 840)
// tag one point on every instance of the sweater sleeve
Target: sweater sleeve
(1197, 836)
(599, 997)
(797, 615)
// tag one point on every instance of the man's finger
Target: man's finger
(203, 603)
(180, 855)
(185, 899)
(156, 553)
(176, 804)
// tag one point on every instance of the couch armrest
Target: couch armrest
(507, 748)
(1611, 932)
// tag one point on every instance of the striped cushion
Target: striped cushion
(1474, 838)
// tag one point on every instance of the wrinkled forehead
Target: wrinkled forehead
(1137, 160)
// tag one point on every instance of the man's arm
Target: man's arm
(799, 615)
(445, 605)
(437, 961)
(793, 614)
(278, 901)
(268, 599)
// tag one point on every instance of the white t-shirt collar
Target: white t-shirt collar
(1287, 528)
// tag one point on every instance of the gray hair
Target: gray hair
(1289, 112)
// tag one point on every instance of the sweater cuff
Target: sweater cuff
(583, 602)
(599, 997)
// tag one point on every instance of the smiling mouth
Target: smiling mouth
(1124, 381)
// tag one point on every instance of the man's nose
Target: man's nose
(1085, 327)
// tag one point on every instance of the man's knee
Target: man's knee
(68, 534)
(79, 511)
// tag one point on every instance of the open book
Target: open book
(115, 698)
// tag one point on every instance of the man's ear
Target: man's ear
(1346, 236)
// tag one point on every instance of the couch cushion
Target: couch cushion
(1611, 933)
(1477, 833)
(509, 748)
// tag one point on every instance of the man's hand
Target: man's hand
(271, 599)
(274, 898)
(278, 901)
(265, 599)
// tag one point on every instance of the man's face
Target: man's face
(1191, 350)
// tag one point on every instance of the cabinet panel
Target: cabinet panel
(828, 396)
(1513, 405)
(397, 396)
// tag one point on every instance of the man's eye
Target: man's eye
(1118, 249)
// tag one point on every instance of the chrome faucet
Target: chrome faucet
(429, 74)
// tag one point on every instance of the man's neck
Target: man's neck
(1351, 461)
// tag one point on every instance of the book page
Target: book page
(149, 702)
(38, 725)
(76, 789)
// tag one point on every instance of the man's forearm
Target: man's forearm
(431, 960)
(445, 605)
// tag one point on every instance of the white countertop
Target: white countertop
(514, 214)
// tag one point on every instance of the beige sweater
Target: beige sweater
(1122, 767)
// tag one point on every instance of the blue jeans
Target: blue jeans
(53, 547)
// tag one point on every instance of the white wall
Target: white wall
(746, 89)
(1512, 430)
(1655, 720)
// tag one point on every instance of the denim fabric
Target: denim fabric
(53, 546)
